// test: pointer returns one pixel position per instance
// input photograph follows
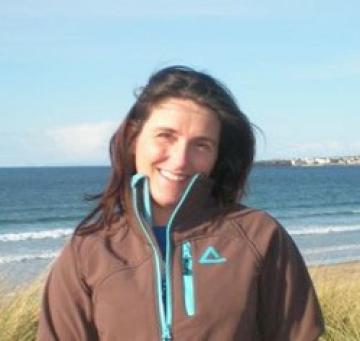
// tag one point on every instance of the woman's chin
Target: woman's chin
(166, 205)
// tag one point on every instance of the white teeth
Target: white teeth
(172, 176)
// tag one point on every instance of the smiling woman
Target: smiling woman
(169, 252)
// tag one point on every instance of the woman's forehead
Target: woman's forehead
(181, 114)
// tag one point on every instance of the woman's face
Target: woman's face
(179, 139)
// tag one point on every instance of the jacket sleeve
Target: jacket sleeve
(289, 309)
(66, 311)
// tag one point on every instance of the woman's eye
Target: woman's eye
(164, 136)
(203, 146)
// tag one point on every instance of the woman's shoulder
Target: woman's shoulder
(86, 243)
(86, 236)
(88, 239)
(95, 254)
(258, 227)
(251, 218)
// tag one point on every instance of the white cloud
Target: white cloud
(326, 148)
(316, 146)
(80, 144)
(285, 150)
(86, 141)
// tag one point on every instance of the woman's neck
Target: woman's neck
(161, 215)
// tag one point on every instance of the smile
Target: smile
(172, 176)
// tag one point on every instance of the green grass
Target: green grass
(338, 289)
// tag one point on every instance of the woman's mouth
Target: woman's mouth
(173, 176)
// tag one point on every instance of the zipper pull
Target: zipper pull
(188, 279)
(168, 336)
(187, 266)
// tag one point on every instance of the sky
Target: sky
(69, 69)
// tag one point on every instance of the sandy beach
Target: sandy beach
(342, 272)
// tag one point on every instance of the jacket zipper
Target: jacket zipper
(159, 270)
(188, 279)
(165, 315)
(168, 259)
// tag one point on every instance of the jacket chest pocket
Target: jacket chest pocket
(188, 288)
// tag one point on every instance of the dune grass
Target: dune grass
(19, 310)
(338, 288)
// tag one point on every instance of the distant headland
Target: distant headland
(313, 161)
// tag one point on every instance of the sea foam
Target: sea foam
(323, 229)
(28, 257)
(327, 249)
(35, 235)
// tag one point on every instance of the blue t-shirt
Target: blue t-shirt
(160, 234)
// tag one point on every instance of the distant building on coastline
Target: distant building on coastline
(318, 161)
(313, 161)
(274, 163)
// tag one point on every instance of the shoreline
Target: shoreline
(345, 271)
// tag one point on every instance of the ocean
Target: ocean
(39, 208)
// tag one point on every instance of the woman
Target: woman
(169, 253)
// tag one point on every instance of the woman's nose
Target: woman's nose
(180, 156)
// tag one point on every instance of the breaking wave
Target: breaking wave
(28, 257)
(327, 249)
(323, 230)
(36, 235)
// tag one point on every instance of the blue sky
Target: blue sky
(68, 70)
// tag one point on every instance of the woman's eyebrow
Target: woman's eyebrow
(165, 129)
(206, 139)
(197, 138)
